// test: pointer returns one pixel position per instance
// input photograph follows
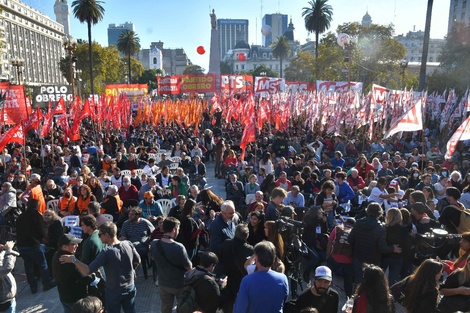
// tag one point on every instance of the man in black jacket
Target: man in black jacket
(206, 286)
(368, 239)
(30, 230)
(233, 256)
(70, 283)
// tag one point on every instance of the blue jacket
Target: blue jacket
(345, 193)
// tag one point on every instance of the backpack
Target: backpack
(187, 302)
(341, 246)
(464, 224)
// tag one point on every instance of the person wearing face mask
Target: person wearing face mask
(414, 179)
(67, 202)
(20, 182)
(76, 187)
(84, 198)
(112, 204)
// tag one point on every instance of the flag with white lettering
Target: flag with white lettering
(412, 120)
(15, 134)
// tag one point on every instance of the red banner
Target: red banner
(236, 83)
(16, 108)
(169, 85)
(198, 83)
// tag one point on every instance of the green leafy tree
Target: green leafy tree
(317, 19)
(375, 58)
(301, 67)
(193, 69)
(149, 77)
(90, 12)
(262, 70)
(281, 49)
(129, 44)
(107, 67)
(136, 70)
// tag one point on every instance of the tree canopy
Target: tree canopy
(129, 44)
(317, 17)
(301, 67)
(281, 49)
(194, 69)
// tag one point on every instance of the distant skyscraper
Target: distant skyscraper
(278, 23)
(62, 14)
(230, 32)
(458, 13)
(115, 30)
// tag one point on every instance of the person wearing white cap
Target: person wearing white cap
(320, 296)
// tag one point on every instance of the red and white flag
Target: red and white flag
(15, 134)
(462, 133)
(412, 120)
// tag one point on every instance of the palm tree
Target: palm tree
(317, 18)
(281, 49)
(90, 12)
(424, 56)
(129, 44)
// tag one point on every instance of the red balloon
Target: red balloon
(200, 50)
(242, 57)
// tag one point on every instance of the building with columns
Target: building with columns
(33, 37)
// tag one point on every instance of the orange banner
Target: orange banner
(129, 90)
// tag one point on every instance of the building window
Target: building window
(154, 60)
(243, 67)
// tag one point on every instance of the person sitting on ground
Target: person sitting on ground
(456, 290)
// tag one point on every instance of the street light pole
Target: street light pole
(403, 65)
(70, 45)
(18, 63)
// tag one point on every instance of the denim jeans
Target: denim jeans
(125, 299)
(33, 256)
(394, 266)
(347, 274)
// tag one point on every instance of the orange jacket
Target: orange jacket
(36, 193)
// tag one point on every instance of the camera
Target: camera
(436, 243)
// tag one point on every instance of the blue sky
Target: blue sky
(186, 23)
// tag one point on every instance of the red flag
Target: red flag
(59, 107)
(64, 124)
(249, 135)
(15, 134)
(47, 124)
(33, 121)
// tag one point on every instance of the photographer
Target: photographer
(273, 209)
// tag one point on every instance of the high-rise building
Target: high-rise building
(230, 32)
(278, 24)
(115, 30)
(33, 37)
(459, 12)
(62, 14)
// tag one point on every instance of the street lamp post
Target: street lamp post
(18, 63)
(70, 45)
(347, 43)
(403, 65)
(79, 81)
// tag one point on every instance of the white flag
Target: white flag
(462, 133)
(412, 120)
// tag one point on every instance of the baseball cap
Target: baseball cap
(393, 183)
(323, 272)
(148, 195)
(68, 239)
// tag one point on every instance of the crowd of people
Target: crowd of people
(371, 212)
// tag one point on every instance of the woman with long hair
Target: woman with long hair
(464, 252)
(370, 177)
(96, 188)
(256, 228)
(396, 234)
(188, 229)
(267, 164)
(210, 201)
(272, 234)
(54, 231)
(455, 290)
(364, 167)
(373, 294)
(84, 198)
(414, 179)
(267, 186)
(421, 289)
